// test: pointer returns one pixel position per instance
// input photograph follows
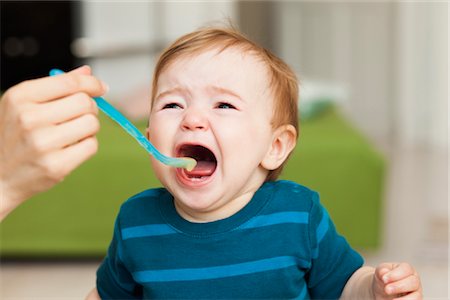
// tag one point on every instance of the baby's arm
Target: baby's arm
(387, 281)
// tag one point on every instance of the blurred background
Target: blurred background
(374, 139)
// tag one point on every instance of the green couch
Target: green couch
(75, 219)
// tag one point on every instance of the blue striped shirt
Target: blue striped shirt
(281, 245)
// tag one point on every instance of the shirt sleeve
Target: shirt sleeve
(333, 260)
(114, 281)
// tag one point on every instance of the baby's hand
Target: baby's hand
(396, 281)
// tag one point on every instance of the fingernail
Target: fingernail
(85, 67)
(105, 86)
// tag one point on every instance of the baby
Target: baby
(228, 229)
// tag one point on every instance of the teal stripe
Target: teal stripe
(277, 218)
(190, 274)
(146, 231)
(320, 232)
(323, 227)
(259, 221)
(302, 294)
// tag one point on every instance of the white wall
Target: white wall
(123, 36)
(181, 17)
(114, 25)
(421, 98)
(348, 44)
(390, 56)
(422, 76)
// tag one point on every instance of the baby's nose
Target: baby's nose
(195, 119)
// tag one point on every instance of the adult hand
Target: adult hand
(47, 129)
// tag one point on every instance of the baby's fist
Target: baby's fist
(396, 281)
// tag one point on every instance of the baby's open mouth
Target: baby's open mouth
(206, 161)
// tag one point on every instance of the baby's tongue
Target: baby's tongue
(203, 168)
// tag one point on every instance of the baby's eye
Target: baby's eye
(224, 105)
(172, 105)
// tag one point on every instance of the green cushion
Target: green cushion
(76, 218)
(334, 159)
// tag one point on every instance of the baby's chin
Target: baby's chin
(199, 209)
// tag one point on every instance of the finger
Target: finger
(62, 162)
(399, 272)
(405, 285)
(58, 111)
(74, 155)
(382, 269)
(56, 137)
(55, 87)
(411, 296)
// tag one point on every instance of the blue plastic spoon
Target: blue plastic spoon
(180, 162)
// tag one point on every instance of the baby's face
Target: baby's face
(216, 108)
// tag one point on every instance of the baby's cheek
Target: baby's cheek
(158, 135)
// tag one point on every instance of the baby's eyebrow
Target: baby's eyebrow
(222, 90)
(175, 90)
(212, 88)
(170, 91)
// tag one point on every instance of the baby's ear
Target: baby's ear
(283, 142)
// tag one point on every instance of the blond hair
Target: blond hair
(283, 82)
